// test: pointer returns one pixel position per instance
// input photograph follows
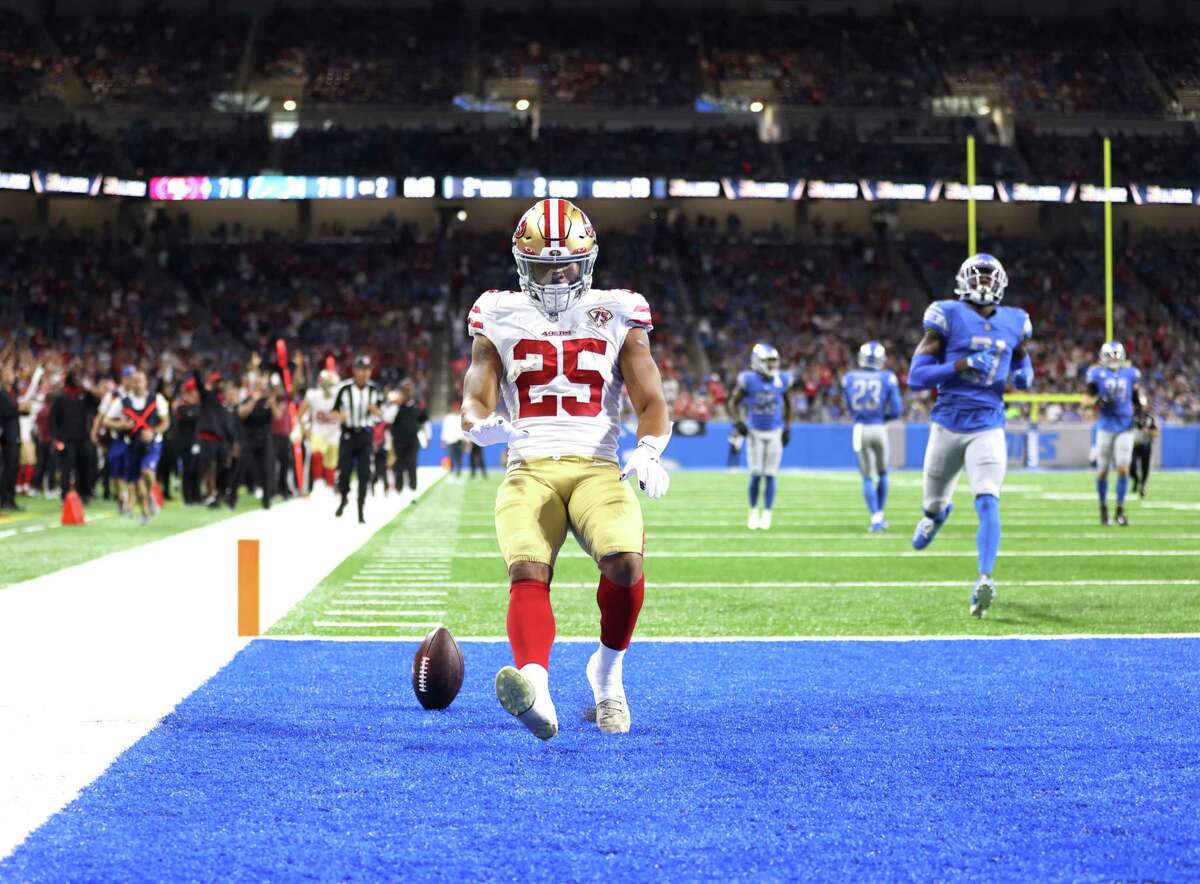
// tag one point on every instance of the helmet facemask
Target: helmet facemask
(555, 282)
(1112, 354)
(981, 280)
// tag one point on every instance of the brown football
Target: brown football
(437, 670)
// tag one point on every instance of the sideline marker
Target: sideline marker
(72, 511)
(248, 587)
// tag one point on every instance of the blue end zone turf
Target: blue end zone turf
(1008, 759)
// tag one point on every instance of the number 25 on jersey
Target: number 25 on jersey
(549, 404)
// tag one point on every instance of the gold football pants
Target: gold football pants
(540, 499)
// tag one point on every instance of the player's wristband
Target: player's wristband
(925, 372)
(1022, 375)
(657, 444)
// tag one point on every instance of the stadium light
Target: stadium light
(461, 215)
(289, 104)
(522, 104)
(984, 110)
(756, 107)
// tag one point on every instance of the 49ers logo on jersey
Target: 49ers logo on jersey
(599, 317)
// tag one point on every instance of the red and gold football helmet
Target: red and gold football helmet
(555, 248)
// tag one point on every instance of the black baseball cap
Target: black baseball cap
(362, 361)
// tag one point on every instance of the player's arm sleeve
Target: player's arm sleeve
(1026, 329)
(479, 317)
(926, 372)
(895, 406)
(936, 319)
(637, 311)
(1022, 374)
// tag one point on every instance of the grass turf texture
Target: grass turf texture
(1070, 760)
(52, 547)
(707, 575)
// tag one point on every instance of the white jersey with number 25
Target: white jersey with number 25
(561, 381)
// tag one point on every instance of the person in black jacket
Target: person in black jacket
(71, 415)
(411, 415)
(186, 416)
(257, 411)
(214, 437)
(10, 438)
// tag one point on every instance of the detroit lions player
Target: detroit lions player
(1113, 385)
(873, 398)
(769, 418)
(971, 347)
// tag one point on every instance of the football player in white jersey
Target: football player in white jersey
(559, 353)
(322, 427)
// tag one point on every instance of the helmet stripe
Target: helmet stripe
(562, 221)
(549, 231)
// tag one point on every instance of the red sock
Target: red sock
(317, 467)
(530, 622)
(619, 609)
(330, 476)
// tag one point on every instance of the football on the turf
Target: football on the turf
(437, 670)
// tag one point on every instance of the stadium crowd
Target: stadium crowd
(656, 56)
(201, 313)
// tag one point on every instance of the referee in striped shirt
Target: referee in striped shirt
(358, 406)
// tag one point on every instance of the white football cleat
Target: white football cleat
(982, 596)
(609, 709)
(753, 521)
(520, 697)
(765, 522)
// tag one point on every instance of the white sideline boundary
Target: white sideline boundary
(94, 656)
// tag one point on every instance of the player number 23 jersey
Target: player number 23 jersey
(561, 380)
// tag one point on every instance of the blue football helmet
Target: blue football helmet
(871, 355)
(764, 359)
(981, 280)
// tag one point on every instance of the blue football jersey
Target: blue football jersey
(1115, 389)
(872, 395)
(967, 403)
(764, 398)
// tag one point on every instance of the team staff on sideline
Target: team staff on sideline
(71, 416)
(357, 406)
(411, 415)
(1145, 431)
(257, 411)
(10, 438)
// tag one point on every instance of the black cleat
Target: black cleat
(341, 508)
(1121, 520)
(1104, 514)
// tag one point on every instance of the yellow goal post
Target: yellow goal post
(1035, 400)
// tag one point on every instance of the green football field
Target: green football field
(816, 572)
(34, 542)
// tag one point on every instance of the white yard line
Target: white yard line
(653, 584)
(857, 537)
(399, 593)
(103, 658)
(376, 624)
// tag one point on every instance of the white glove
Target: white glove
(494, 429)
(643, 462)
